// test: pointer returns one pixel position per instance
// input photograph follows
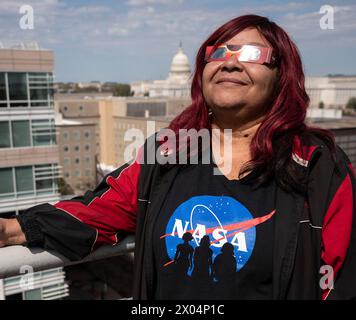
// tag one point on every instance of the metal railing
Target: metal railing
(14, 258)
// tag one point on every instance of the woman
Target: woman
(283, 203)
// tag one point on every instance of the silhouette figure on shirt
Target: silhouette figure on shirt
(201, 275)
(224, 266)
(203, 260)
(224, 271)
(184, 256)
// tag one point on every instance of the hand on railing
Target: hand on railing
(11, 233)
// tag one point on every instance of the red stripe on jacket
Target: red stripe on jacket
(112, 212)
(336, 231)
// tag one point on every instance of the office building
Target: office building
(29, 159)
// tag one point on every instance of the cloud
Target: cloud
(106, 25)
(152, 2)
(306, 27)
(124, 27)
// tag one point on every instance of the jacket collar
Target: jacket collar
(303, 153)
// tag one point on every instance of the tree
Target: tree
(64, 187)
(122, 90)
(351, 104)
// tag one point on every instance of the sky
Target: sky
(131, 40)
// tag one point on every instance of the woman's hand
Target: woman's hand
(11, 233)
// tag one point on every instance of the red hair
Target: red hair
(286, 115)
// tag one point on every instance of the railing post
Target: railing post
(2, 290)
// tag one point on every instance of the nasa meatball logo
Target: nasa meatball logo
(228, 224)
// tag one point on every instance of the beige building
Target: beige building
(333, 92)
(122, 125)
(29, 158)
(84, 111)
(111, 114)
(77, 154)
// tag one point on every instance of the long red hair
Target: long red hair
(285, 118)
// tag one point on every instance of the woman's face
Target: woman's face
(259, 80)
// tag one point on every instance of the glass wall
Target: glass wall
(17, 82)
(41, 89)
(22, 89)
(46, 176)
(18, 133)
(3, 97)
(21, 133)
(25, 181)
(43, 132)
(7, 182)
(5, 141)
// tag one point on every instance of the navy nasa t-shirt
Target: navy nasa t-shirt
(213, 238)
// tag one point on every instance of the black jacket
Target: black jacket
(319, 224)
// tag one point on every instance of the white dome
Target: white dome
(180, 67)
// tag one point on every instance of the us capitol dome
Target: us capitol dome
(180, 68)
(177, 84)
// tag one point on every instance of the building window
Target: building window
(76, 148)
(35, 294)
(87, 173)
(24, 180)
(138, 109)
(87, 159)
(3, 96)
(43, 132)
(81, 108)
(66, 161)
(67, 175)
(46, 176)
(21, 133)
(5, 135)
(38, 93)
(66, 148)
(7, 183)
(27, 180)
(17, 89)
(76, 135)
(77, 173)
(77, 160)
(87, 147)
(86, 134)
(41, 89)
(65, 108)
(65, 136)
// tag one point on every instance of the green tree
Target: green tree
(122, 90)
(64, 187)
(351, 104)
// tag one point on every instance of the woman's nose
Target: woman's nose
(232, 63)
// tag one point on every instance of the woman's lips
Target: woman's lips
(231, 81)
